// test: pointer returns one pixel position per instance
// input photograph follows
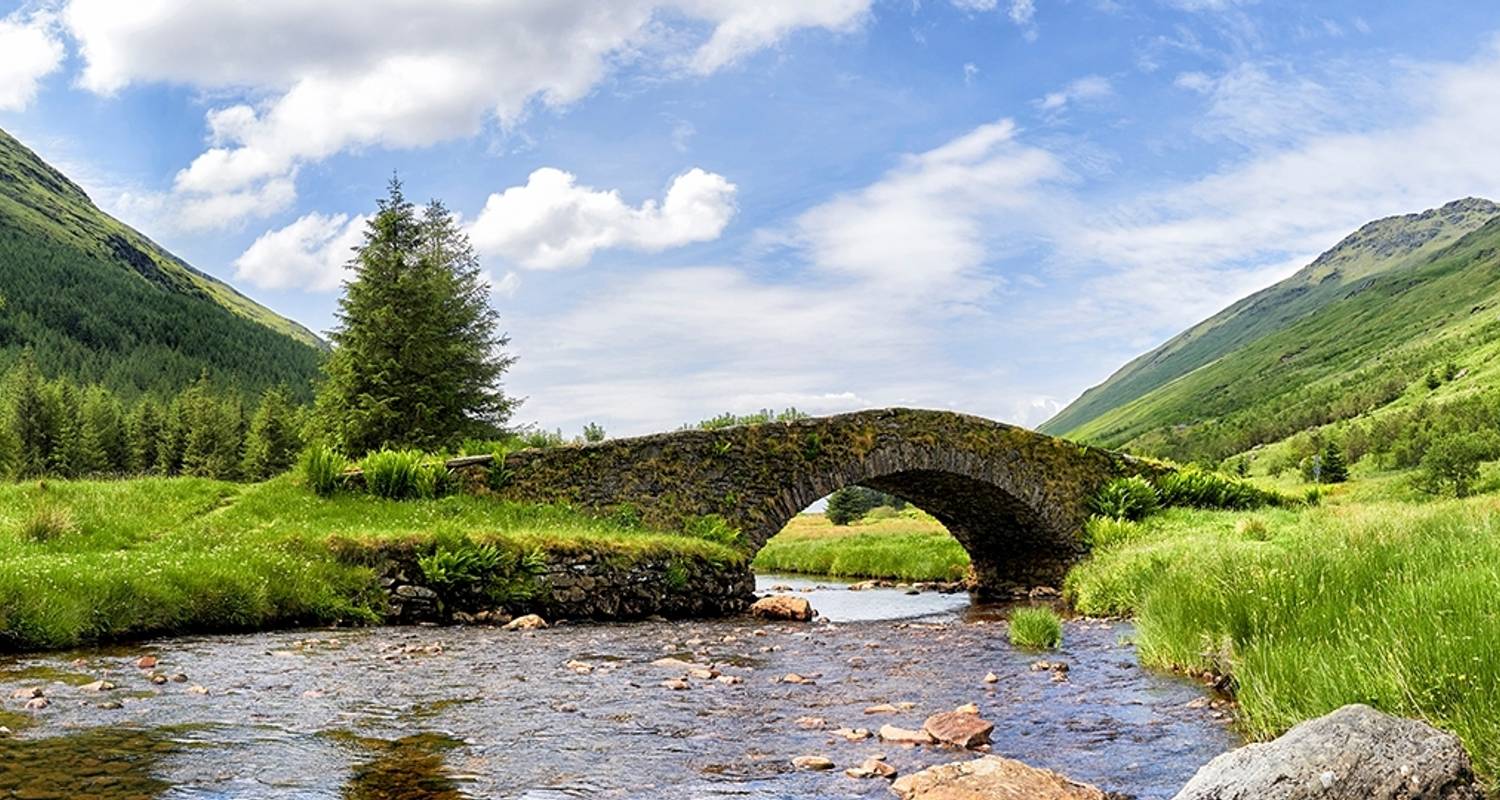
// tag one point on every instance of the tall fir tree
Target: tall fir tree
(102, 449)
(29, 417)
(418, 356)
(273, 440)
(143, 430)
(212, 442)
(65, 458)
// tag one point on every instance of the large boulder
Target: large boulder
(992, 778)
(781, 606)
(1355, 753)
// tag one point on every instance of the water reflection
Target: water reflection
(114, 763)
(409, 768)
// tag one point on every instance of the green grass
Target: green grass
(1035, 628)
(906, 546)
(1389, 603)
(163, 556)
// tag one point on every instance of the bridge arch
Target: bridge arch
(1015, 499)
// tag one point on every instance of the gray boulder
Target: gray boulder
(1355, 753)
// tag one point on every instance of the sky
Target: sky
(686, 207)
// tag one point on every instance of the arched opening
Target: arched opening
(861, 533)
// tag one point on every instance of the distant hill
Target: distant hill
(99, 302)
(1350, 331)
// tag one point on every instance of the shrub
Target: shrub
(48, 522)
(1105, 532)
(1132, 498)
(1334, 470)
(715, 529)
(404, 474)
(1251, 528)
(1196, 488)
(323, 469)
(1451, 464)
(1035, 628)
(463, 571)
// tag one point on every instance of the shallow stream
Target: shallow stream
(481, 713)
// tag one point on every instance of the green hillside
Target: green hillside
(100, 303)
(1355, 330)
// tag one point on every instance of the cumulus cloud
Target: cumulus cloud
(307, 254)
(552, 221)
(30, 50)
(329, 77)
(928, 224)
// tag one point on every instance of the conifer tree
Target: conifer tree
(65, 457)
(211, 444)
(173, 437)
(143, 430)
(29, 418)
(102, 449)
(418, 357)
(1333, 468)
(272, 443)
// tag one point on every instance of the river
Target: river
(579, 711)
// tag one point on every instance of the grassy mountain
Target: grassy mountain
(1352, 331)
(99, 302)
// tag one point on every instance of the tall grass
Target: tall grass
(1389, 604)
(1035, 628)
(164, 556)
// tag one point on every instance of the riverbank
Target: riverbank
(1395, 604)
(94, 561)
(906, 545)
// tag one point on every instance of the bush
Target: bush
(713, 528)
(1132, 498)
(323, 469)
(1105, 532)
(48, 522)
(1196, 488)
(405, 474)
(1035, 628)
(1451, 464)
(1251, 528)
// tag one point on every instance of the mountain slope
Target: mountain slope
(100, 302)
(1350, 330)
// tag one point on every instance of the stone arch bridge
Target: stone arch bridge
(1016, 500)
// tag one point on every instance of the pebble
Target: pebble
(97, 686)
(26, 693)
(812, 763)
(872, 768)
(991, 678)
(812, 723)
(145, 662)
(37, 703)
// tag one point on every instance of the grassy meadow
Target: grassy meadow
(1387, 602)
(86, 561)
(906, 545)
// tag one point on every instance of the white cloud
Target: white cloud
(1023, 14)
(1087, 88)
(307, 254)
(30, 50)
(330, 77)
(1247, 104)
(553, 222)
(928, 224)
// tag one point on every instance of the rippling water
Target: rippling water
(477, 713)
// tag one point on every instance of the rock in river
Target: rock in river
(812, 762)
(780, 606)
(959, 729)
(891, 733)
(530, 622)
(1355, 753)
(991, 778)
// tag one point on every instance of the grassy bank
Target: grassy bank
(1390, 603)
(96, 561)
(907, 545)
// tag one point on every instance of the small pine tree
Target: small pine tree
(173, 441)
(28, 415)
(65, 458)
(102, 448)
(1333, 469)
(845, 506)
(273, 441)
(593, 432)
(143, 431)
(212, 444)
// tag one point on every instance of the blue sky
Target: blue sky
(692, 206)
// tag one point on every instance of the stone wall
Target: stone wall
(581, 587)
